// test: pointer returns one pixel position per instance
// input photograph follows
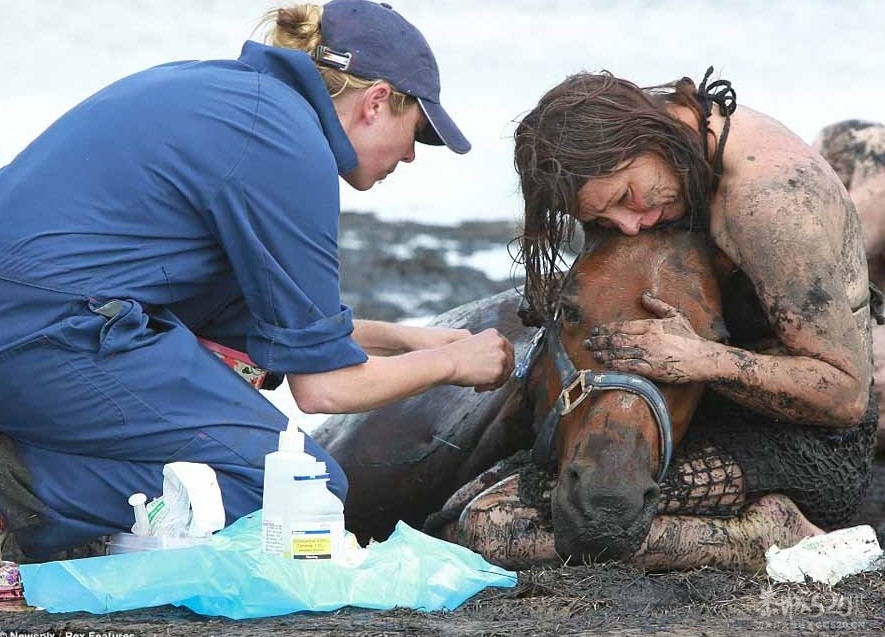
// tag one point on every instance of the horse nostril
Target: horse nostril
(652, 495)
(569, 478)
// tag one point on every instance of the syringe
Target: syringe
(142, 526)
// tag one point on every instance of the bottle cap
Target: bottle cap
(292, 438)
(291, 441)
(305, 466)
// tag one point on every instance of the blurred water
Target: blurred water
(808, 63)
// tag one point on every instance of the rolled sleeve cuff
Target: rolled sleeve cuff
(322, 346)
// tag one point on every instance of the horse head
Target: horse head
(607, 437)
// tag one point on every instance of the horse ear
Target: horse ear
(529, 316)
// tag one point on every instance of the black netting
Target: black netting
(825, 471)
(730, 458)
(702, 480)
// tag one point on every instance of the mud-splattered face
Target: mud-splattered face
(639, 196)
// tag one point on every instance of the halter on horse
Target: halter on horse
(586, 381)
(606, 436)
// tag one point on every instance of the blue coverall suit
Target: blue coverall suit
(198, 198)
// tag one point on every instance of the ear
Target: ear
(375, 100)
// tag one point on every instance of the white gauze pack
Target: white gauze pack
(193, 499)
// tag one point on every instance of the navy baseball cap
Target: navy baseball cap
(374, 42)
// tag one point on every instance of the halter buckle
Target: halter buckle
(569, 404)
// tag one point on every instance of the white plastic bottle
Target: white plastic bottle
(301, 518)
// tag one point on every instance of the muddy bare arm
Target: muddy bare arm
(787, 232)
(791, 234)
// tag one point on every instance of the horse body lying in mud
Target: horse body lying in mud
(602, 435)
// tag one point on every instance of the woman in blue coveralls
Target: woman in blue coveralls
(201, 199)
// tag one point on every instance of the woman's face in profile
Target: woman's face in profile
(386, 139)
(638, 196)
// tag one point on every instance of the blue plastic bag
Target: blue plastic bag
(230, 576)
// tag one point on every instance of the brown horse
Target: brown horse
(607, 437)
(616, 432)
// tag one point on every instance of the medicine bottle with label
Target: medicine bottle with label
(301, 518)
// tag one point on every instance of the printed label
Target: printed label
(312, 545)
(272, 537)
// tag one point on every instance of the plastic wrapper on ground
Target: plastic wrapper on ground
(230, 576)
(826, 558)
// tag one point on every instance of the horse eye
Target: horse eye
(571, 313)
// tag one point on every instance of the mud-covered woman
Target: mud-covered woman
(781, 446)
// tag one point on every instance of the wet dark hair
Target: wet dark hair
(589, 126)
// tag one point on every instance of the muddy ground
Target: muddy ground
(609, 599)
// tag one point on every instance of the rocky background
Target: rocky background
(394, 270)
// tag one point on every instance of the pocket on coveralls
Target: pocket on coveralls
(51, 399)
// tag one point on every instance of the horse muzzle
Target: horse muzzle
(601, 517)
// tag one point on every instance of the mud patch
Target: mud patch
(590, 599)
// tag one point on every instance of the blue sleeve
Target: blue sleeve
(276, 216)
